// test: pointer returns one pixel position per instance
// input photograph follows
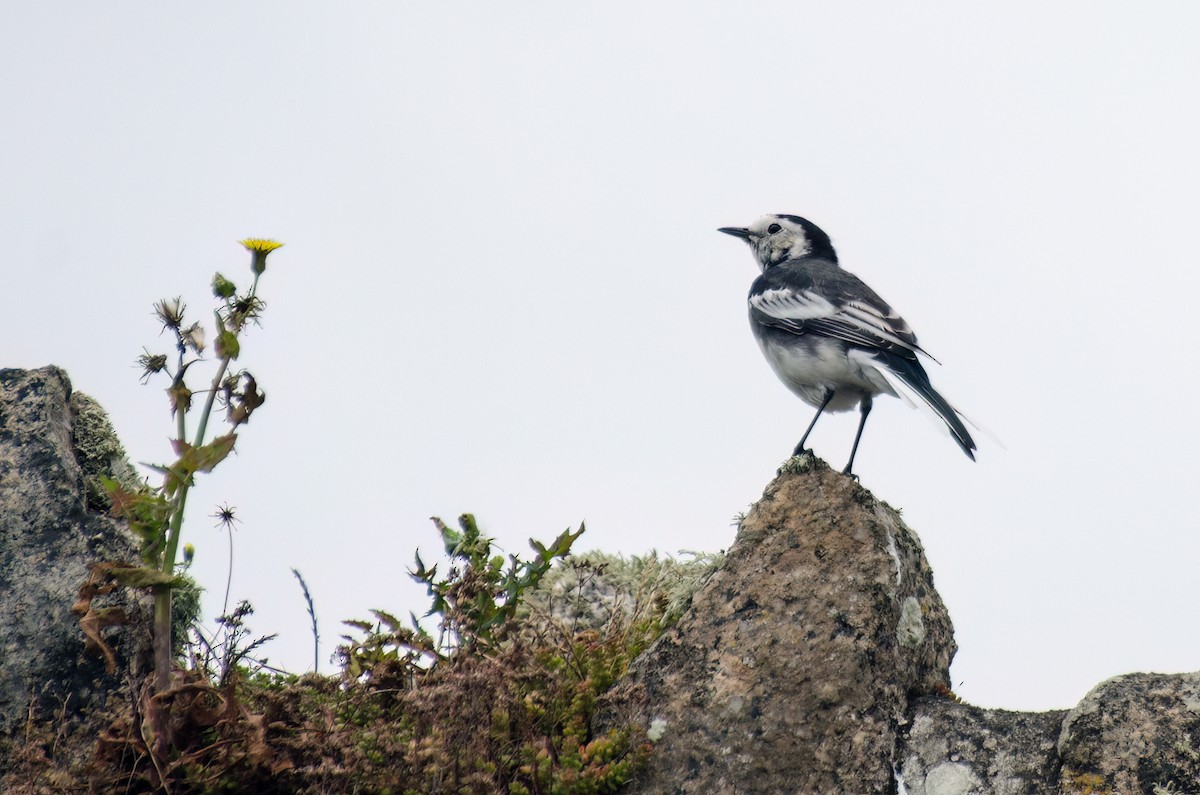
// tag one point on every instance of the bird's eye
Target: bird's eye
(773, 228)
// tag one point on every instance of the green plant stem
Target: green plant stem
(162, 596)
(174, 532)
(162, 638)
(180, 414)
(220, 376)
(208, 402)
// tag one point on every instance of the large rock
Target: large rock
(815, 660)
(792, 670)
(1134, 733)
(53, 447)
(955, 749)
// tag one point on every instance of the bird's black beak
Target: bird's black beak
(736, 231)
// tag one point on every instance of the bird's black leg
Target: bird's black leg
(800, 447)
(865, 408)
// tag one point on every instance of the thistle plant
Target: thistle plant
(157, 514)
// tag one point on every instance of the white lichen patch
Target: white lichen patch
(911, 629)
(951, 778)
(658, 728)
(895, 553)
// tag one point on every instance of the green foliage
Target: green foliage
(504, 700)
(191, 460)
(501, 708)
(500, 698)
(387, 642)
(474, 603)
(148, 513)
(156, 514)
(479, 594)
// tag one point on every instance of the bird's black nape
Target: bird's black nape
(821, 245)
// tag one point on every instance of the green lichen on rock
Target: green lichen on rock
(587, 589)
(799, 464)
(99, 452)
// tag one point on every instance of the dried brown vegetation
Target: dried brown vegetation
(501, 702)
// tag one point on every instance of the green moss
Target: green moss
(99, 452)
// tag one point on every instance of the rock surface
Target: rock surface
(1135, 733)
(792, 669)
(955, 749)
(53, 448)
(815, 659)
(1132, 735)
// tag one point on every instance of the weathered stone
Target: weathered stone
(955, 749)
(99, 452)
(792, 669)
(1134, 733)
(51, 444)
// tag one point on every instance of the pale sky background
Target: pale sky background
(503, 290)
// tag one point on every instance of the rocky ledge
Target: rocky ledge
(816, 660)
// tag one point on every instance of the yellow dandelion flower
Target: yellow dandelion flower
(260, 248)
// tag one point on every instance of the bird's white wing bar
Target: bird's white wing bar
(887, 325)
(783, 304)
(854, 321)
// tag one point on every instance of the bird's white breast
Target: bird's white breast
(810, 369)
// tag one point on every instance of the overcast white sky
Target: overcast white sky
(503, 292)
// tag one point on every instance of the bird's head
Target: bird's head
(778, 238)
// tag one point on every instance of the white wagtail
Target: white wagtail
(830, 338)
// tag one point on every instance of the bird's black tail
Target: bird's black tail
(911, 382)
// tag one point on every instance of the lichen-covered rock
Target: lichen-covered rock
(957, 749)
(591, 587)
(1132, 734)
(791, 671)
(99, 452)
(51, 445)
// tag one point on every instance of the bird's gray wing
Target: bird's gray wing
(812, 299)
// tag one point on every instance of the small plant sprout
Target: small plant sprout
(479, 595)
(312, 614)
(157, 514)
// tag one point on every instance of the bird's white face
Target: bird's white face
(775, 239)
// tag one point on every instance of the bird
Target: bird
(828, 336)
